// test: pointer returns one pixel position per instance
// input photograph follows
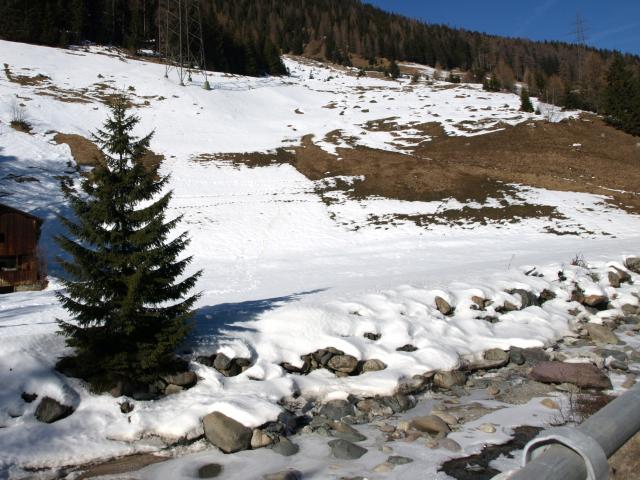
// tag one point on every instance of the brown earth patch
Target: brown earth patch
(476, 168)
(25, 80)
(87, 154)
(122, 465)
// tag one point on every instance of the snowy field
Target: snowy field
(282, 277)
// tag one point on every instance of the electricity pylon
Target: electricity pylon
(180, 39)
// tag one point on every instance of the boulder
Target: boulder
(172, 389)
(430, 424)
(345, 450)
(343, 363)
(285, 447)
(443, 306)
(406, 348)
(399, 403)
(595, 301)
(633, 264)
(183, 379)
(479, 302)
(337, 409)
(226, 433)
(260, 439)
(516, 355)
(210, 470)
(547, 295)
(493, 358)
(372, 336)
(584, 375)
(527, 298)
(346, 432)
(449, 444)
(447, 380)
(29, 397)
(290, 474)
(601, 334)
(50, 410)
(373, 365)
(399, 460)
(222, 362)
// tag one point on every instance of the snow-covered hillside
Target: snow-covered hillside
(284, 273)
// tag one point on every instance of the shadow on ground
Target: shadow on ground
(210, 322)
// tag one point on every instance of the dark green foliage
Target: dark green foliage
(525, 101)
(453, 78)
(491, 84)
(393, 70)
(129, 309)
(622, 97)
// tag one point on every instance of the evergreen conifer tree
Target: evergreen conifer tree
(394, 70)
(622, 97)
(525, 101)
(128, 305)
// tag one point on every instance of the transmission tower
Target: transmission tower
(580, 33)
(180, 39)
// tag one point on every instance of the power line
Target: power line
(180, 39)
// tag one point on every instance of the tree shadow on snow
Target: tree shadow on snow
(210, 322)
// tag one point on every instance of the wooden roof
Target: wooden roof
(7, 209)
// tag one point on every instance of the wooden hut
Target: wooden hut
(20, 266)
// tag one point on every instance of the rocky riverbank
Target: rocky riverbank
(435, 420)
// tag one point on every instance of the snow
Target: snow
(284, 274)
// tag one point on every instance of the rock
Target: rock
(28, 397)
(293, 369)
(629, 381)
(487, 428)
(507, 307)
(374, 407)
(493, 358)
(343, 363)
(372, 336)
(629, 309)
(516, 355)
(345, 450)
(373, 365)
(411, 385)
(337, 409)
(126, 407)
(50, 410)
(617, 354)
(347, 432)
(535, 355)
(430, 424)
(547, 295)
(601, 334)
(210, 470)
(595, 301)
(493, 390)
(183, 379)
(222, 362)
(384, 467)
(479, 302)
(285, 447)
(172, 389)
(443, 306)
(617, 365)
(406, 348)
(207, 361)
(447, 417)
(447, 380)
(449, 444)
(323, 355)
(549, 403)
(260, 439)
(633, 264)
(290, 474)
(583, 375)
(399, 403)
(527, 298)
(226, 433)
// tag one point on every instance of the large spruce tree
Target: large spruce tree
(622, 97)
(126, 288)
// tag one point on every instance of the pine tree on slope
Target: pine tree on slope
(525, 101)
(128, 306)
(622, 97)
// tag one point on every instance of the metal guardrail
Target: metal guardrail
(581, 453)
